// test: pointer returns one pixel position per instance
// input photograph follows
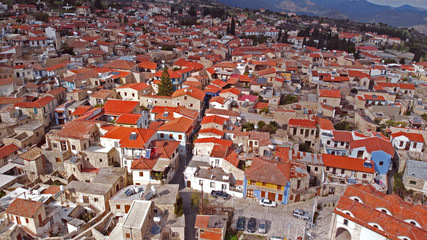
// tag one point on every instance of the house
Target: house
(303, 129)
(191, 98)
(415, 177)
(101, 96)
(329, 97)
(134, 120)
(214, 121)
(277, 180)
(341, 169)
(364, 213)
(130, 142)
(413, 142)
(176, 78)
(122, 65)
(42, 109)
(7, 152)
(379, 150)
(220, 103)
(179, 129)
(158, 165)
(133, 91)
(29, 214)
(138, 221)
(114, 108)
(34, 163)
(210, 227)
(145, 66)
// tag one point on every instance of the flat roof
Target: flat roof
(89, 188)
(137, 214)
(416, 169)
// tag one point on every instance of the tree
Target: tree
(402, 61)
(279, 36)
(228, 29)
(125, 20)
(98, 4)
(66, 49)
(192, 12)
(165, 86)
(44, 17)
(233, 27)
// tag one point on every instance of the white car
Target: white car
(267, 202)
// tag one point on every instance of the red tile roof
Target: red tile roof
(354, 164)
(213, 119)
(325, 124)
(23, 208)
(233, 90)
(214, 141)
(135, 86)
(41, 102)
(116, 107)
(302, 123)
(77, 129)
(373, 144)
(414, 137)
(268, 171)
(329, 93)
(128, 118)
(120, 64)
(6, 150)
(182, 125)
(148, 65)
(124, 134)
(81, 110)
(190, 91)
(368, 210)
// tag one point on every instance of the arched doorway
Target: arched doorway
(343, 234)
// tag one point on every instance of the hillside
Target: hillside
(358, 10)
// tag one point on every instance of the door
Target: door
(189, 184)
(40, 219)
(127, 207)
(85, 199)
(297, 198)
(280, 198)
(19, 237)
(18, 219)
(262, 194)
(272, 196)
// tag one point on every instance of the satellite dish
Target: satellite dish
(62, 188)
(75, 152)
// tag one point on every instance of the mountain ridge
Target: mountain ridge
(357, 10)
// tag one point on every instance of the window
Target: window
(170, 136)
(401, 144)
(73, 147)
(301, 131)
(328, 142)
(264, 184)
(413, 182)
(200, 182)
(185, 97)
(179, 137)
(342, 171)
(381, 163)
(346, 222)
(100, 160)
(117, 206)
(212, 184)
(141, 174)
(327, 168)
(127, 235)
(414, 145)
(364, 175)
(162, 135)
(26, 220)
(58, 160)
(133, 94)
(95, 199)
(316, 169)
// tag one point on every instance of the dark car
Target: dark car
(251, 225)
(240, 226)
(220, 194)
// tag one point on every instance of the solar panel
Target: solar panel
(149, 196)
(129, 192)
(74, 159)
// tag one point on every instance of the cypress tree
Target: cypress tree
(233, 27)
(165, 86)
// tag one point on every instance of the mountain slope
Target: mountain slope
(359, 10)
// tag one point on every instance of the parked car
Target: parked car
(267, 202)
(240, 226)
(262, 226)
(298, 213)
(251, 225)
(220, 194)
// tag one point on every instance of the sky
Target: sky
(398, 3)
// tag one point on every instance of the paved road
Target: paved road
(280, 221)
